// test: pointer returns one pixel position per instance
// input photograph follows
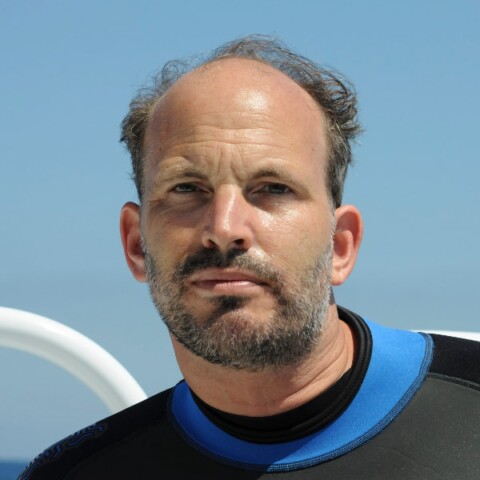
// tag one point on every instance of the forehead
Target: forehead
(235, 99)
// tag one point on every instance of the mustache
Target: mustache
(210, 258)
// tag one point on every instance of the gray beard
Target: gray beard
(239, 341)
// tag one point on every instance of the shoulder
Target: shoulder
(455, 358)
(57, 460)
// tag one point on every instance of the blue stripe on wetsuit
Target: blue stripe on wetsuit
(398, 365)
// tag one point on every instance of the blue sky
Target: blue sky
(68, 72)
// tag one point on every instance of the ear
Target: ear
(132, 240)
(346, 242)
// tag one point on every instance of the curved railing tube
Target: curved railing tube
(72, 351)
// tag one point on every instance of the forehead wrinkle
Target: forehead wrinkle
(206, 143)
(167, 127)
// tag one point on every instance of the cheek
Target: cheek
(168, 246)
(295, 246)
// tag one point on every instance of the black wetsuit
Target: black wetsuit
(408, 409)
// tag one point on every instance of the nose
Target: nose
(228, 220)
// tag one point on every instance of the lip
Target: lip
(226, 281)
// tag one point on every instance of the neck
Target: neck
(272, 390)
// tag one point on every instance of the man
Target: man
(240, 234)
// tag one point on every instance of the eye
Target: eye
(276, 188)
(185, 188)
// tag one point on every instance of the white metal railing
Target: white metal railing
(72, 351)
(455, 333)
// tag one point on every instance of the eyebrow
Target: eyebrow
(275, 173)
(269, 172)
(177, 171)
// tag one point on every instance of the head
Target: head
(238, 234)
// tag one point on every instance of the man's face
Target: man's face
(236, 220)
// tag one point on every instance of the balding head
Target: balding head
(329, 91)
(244, 100)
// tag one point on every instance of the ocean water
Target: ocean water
(11, 470)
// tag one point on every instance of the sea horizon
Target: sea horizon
(11, 469)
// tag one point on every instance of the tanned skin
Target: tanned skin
(236, 156)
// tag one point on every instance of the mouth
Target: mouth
(214, 281)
